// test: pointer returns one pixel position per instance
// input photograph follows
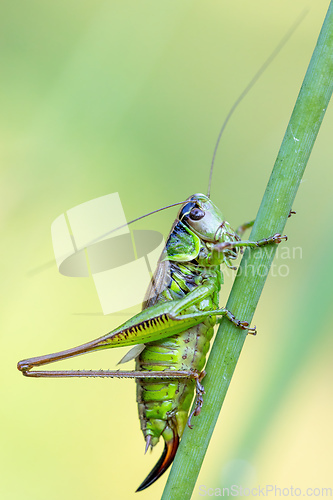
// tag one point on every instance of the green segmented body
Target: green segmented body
(165, 405)
(162, 405)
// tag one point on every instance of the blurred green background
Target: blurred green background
(128, 96)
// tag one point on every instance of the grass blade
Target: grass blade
(281, 190)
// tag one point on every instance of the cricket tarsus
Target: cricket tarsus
(200, 391)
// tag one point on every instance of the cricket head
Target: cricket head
(204, 218)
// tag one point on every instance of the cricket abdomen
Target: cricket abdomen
(164, 406)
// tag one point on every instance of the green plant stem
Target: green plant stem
(281, 190)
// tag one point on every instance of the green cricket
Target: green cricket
(172, 333)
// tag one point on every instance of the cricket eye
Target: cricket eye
(196, 214)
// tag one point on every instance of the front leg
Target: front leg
(275, 238)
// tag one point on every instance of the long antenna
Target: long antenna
(134, 220)
(50, 263)
(250, 85)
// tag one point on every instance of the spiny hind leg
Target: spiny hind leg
(244, 325)
(163, 374)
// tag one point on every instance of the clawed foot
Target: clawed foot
(277, 238)
(252, 331)
(200, 391)
(244, 325)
